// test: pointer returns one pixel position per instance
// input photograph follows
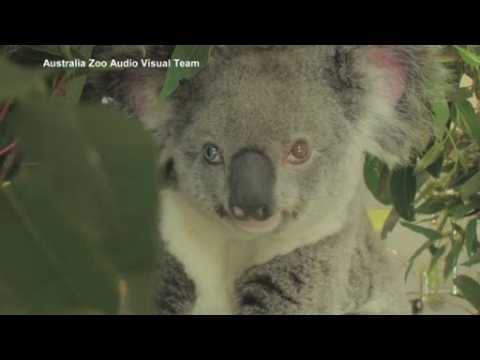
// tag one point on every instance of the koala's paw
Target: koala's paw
(175, 293)
(265, 293)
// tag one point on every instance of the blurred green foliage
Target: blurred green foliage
(78, 195)
(78, 188)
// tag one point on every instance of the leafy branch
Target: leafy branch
(444, 186)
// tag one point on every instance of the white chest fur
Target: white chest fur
(203, 248)
(214, 255)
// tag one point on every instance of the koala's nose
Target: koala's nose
(251, 184)
(259, 213)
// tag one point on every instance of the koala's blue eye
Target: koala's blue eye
(212, 154)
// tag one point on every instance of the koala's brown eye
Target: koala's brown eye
(212, 154)
(299, 153)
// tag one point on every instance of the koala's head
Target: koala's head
(262, 138)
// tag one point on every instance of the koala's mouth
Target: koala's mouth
(260, 227)
(253, 226)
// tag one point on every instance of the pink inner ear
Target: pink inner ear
(394, 72)
(141, 95)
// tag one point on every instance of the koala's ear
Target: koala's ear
(133, 89)
(395, 85)
(166, 163)
(387, 70)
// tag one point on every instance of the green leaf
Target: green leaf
(176, 74)
(377, 179)
(66, 51)
(75, 86)
(469, 56)
(18, 81)
(431, 206)
(437, 253)
(442, 115)
(436, 168)
(470, 290)
(463, 176)
(416, 254)
(451, 260)
(436, 204)
(25, 262)
(431, 156)
(459, 211)
(140, 293)
(471, 239)
(428, 233)
(128, 162)
(390, 223)
(55, 218)
(403, 187)
(471, 187)
(472, 120)
(81, 212)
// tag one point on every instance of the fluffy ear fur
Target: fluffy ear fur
(136, 90)
(392, 86)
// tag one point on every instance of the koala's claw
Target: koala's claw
(260, 294)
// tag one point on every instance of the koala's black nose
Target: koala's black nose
(259, 213)
(251, 186)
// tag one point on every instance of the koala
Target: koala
(260, 167)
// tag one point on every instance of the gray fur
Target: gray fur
(337, 275)
(345, 101)
(176, 291)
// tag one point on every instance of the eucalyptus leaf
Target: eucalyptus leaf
(17, 81)
(469, 56)
(470, 290)
(75, 86)
(432, 155)
(461, 210)
(81, 212)
(471, 238)
(66, 51)
(377, 179)
(403, 185)
(471, 118)
(437, 254)
(463, 176)
(453, 255)
(416, 254)
(441, 111)
(471, 187)
(58, 217)
(436, 204)
(430, 234)
(128, 162)
(392, 221)
(435, 169)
